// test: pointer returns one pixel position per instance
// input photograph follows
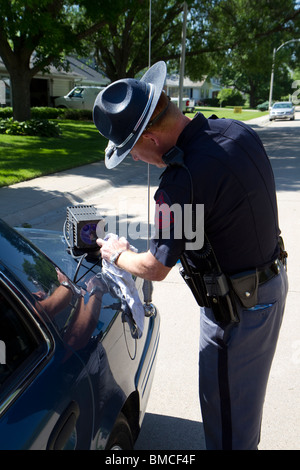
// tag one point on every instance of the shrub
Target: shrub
(52, 113)
(263, 106)
(42, 128)
(77, 114)
(46, 113)
(230, 97)
(6, 112)
(210, 102)
(9, 126)
(38, 127)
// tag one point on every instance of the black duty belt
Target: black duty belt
(269, 272)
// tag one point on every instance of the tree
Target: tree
(234, 37)
(250, 73)
(121, 46)
(251, 29)
(221, 34)
(230, 97)
(36, 33)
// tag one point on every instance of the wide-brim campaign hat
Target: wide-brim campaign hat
(123, 109)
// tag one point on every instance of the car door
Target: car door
(75, 99)
(89, 95)
(94, 328)
(45, 395)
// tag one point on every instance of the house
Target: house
(199, 90)
(89, 76)
(56, 82)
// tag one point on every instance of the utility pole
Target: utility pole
(273, 66)
(182, 59)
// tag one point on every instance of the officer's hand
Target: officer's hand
(111, 246)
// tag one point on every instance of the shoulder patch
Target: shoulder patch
(164, 216)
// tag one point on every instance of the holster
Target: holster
(195, 282)
(211, 290)
(220, 297)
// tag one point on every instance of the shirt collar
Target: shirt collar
(192, 128)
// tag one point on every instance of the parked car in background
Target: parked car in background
(188, 104)
(80, 97)
(282, 110)
(73, 373)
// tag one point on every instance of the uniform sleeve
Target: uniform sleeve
(168, 242)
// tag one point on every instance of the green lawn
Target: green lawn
(229, 113)
(24, 157)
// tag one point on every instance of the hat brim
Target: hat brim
(156, 76)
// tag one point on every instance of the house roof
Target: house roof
(78, 71)
(173, 81)
(90, 75)
(52, 72)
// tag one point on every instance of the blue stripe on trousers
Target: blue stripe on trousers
(234, 365)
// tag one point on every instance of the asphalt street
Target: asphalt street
(173, 418)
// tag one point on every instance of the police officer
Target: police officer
(221, 164)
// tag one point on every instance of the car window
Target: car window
(22, 344)
(283, 105)
(77, 93)
(17, 343)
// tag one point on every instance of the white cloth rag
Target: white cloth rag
(128, 288)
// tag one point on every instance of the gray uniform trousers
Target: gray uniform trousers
(234, 366)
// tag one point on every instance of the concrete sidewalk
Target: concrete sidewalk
(173, 420)
(42, 201)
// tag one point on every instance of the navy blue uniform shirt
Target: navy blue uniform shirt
(233, 178)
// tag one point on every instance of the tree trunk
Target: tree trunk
(252, 95)
(20, 88)
(252, 100)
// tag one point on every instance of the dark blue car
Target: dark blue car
(73, 372)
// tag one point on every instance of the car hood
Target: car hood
(78, 270)
(52, 244)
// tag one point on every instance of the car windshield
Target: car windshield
(283, 105)
(76, 93)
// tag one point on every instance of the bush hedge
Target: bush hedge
(230, 97)
(76, 114)
(38, 127)
(39, 123)
(52, 113)
(46, 113)
(6, 112)
(263, 106)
